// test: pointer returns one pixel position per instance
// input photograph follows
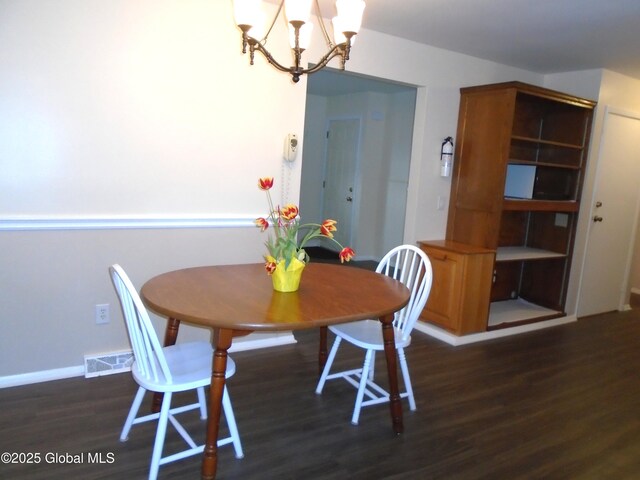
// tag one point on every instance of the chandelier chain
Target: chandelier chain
(266, 35)
(324, 29)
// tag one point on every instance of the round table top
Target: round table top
(241, 297)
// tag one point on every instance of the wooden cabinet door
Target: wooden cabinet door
(443, 303)
(459, 298)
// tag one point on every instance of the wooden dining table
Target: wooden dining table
(235, 300)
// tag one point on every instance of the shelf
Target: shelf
(516, 161)
(509, 254)
(550, 143)
(514, 204)
(517, 311)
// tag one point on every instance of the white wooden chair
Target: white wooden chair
(412, 267)
(167, 370)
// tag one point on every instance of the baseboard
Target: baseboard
(41, 376)
(456, 340)
(79, 370)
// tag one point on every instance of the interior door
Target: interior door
(614, 216)
(339, 195)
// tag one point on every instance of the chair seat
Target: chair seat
(367, 334)
(190, 366)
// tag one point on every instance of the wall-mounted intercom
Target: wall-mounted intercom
(290, 147)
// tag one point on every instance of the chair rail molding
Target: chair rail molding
(99, 222)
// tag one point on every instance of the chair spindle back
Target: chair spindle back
(147, 350)
(411, 266)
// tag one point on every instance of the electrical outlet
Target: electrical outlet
(102, 314)
(562, 220)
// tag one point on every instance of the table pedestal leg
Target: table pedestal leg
(222, 341)
(322, 353)
(170, 336)
(392, 369)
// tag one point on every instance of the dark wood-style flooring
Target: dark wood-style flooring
(560, 403)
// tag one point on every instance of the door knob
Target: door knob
(349, 198)
(597, 218)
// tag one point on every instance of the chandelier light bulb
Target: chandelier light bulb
(297, 10)
(338, 32)
(257, 29)
(246, 12)
(350, 14)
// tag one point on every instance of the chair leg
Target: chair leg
(327, 366)
(407, 380)
(231, 423)
(372, 367)
(133, 411)
(160, 434)
(203, 403)
(363, 384)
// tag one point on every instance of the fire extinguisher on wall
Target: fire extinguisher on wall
(446, 157)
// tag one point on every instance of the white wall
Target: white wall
(119, 111)
(313, 159)
(147, 109)
(400, 116)
(121, 108)
(608, 89)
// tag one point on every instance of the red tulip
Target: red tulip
(289, 212)
(346, 254)
(327, 227)
(265, 183)
(270, 267)
(262, 223)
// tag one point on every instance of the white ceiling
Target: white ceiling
(544, 36)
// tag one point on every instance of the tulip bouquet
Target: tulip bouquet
(285, 247)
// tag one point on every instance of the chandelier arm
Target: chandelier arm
(258, 46)
(336, 51)
(341, 50)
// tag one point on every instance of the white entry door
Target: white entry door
(614, 214)
(339, 195)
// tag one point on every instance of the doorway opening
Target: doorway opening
(357, 150)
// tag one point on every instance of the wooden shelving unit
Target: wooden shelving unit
(516, 186)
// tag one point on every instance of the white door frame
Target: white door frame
(622, 305)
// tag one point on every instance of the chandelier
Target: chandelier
(251, 20)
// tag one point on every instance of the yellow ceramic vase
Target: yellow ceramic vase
(287, 280)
